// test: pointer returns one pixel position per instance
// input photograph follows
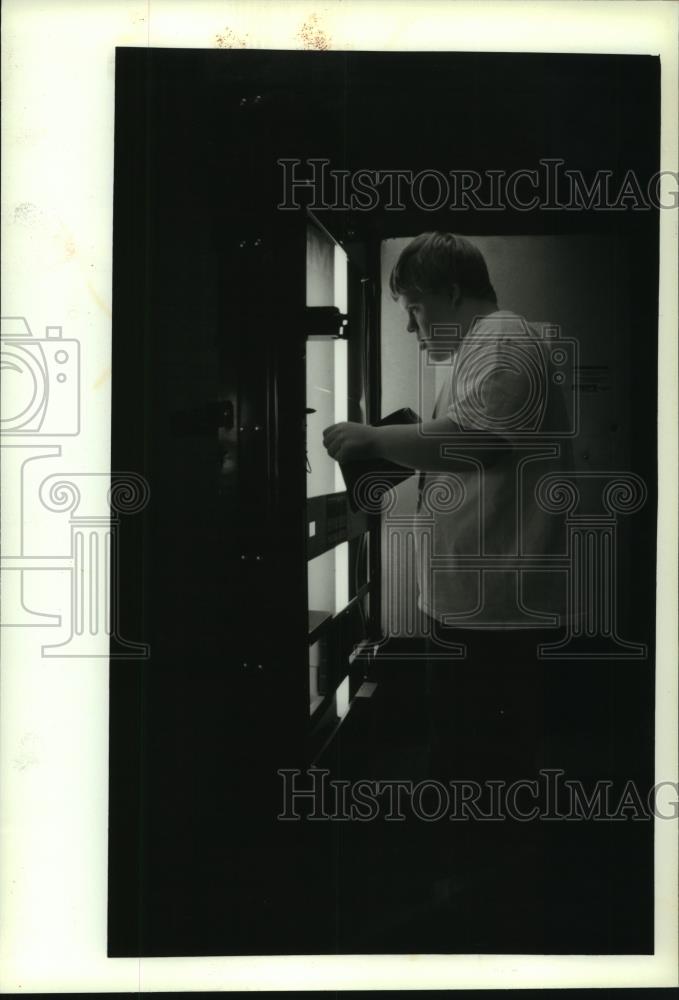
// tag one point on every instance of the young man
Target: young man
(491, 437)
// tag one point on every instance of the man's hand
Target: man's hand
(347, 441)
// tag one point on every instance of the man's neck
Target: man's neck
(473, 309)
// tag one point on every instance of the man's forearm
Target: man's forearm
(419, 446)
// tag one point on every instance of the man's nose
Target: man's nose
(412, 326)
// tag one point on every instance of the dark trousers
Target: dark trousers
(486, 711)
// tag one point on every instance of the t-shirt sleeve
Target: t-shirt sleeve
(499, 386)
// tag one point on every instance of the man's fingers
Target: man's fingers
(336, 428)
(331, 434)
(334, 449)
(335, 440)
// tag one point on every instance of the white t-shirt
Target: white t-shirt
(486, 545)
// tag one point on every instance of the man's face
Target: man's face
(426, 310)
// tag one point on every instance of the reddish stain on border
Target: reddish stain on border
(312, 35)
(228, 39)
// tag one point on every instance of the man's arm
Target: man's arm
(419, 446)
(416, 446)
